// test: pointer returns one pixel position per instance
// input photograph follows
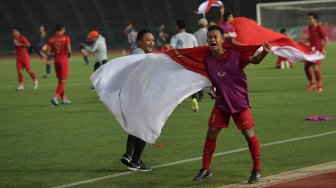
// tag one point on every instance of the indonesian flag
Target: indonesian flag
(249, 32)
(141, 91)
(206, 6)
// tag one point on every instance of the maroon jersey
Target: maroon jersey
(58, 43)
(316, 36)
(228, 77)
(21, 51)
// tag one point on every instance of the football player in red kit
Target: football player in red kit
(22, 58)
(317, 40)
(59, 45)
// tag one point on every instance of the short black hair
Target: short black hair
(17, 28)
(216, 27)
(59, 26)
(314, 15)
(142, 33)
(226, 16)
(283, 30)
(181, 24)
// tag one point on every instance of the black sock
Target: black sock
(194, 96)
(86, 59)
(96, 66)
(130, 145)
(138, 149)
(48, 67)
(200, 93)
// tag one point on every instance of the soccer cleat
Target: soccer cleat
(20, 88)
(202, 174)
(195, 107)
(126, 159)
(139, 166)
(46, 76)
(66, 101)
(319, 89)
(311, 87)
(35, 85)
(54, 101)
(254, 178)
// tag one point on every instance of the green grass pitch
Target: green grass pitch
(43, 146)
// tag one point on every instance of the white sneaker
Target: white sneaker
(20, 88)
(35, 85)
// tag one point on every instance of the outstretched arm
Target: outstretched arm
(258, 58)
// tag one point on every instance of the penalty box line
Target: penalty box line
(195, 159)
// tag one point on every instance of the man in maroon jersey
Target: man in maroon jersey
(60, 46)
(225, 68)
(22, 58)
(317, 41)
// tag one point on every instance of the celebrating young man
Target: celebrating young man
(22, 57)
(135, 146)
(60, 46)
(317, 40)
(226, 72)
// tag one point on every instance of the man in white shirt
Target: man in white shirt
(98, 47)
(201, 33)
(185, 40)
(201, 36)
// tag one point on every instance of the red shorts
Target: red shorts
(62, 69)
(221, 119)
(23, 64)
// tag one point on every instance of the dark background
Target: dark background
(109, 17)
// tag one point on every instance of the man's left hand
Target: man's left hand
(267, 46)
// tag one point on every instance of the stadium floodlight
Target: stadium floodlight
(294, 13)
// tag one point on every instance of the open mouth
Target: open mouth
(213, 44)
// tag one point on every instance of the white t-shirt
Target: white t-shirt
(99, 47)
(183, 40)
(201, 36)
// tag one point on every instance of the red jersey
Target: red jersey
(316, 36)
(58, 43)
(21, 51)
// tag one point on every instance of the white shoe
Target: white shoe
(35, 85)
(20, 88)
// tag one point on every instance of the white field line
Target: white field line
(194, 159)
(28, 82)
(288, 176)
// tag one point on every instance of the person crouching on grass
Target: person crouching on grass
(226, 72)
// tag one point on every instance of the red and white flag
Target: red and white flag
(206, 6)
(249, 32)
(141, 91)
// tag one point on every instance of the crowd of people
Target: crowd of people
(227, 76)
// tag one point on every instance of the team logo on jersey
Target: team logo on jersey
(179, 43)
(221, 73)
